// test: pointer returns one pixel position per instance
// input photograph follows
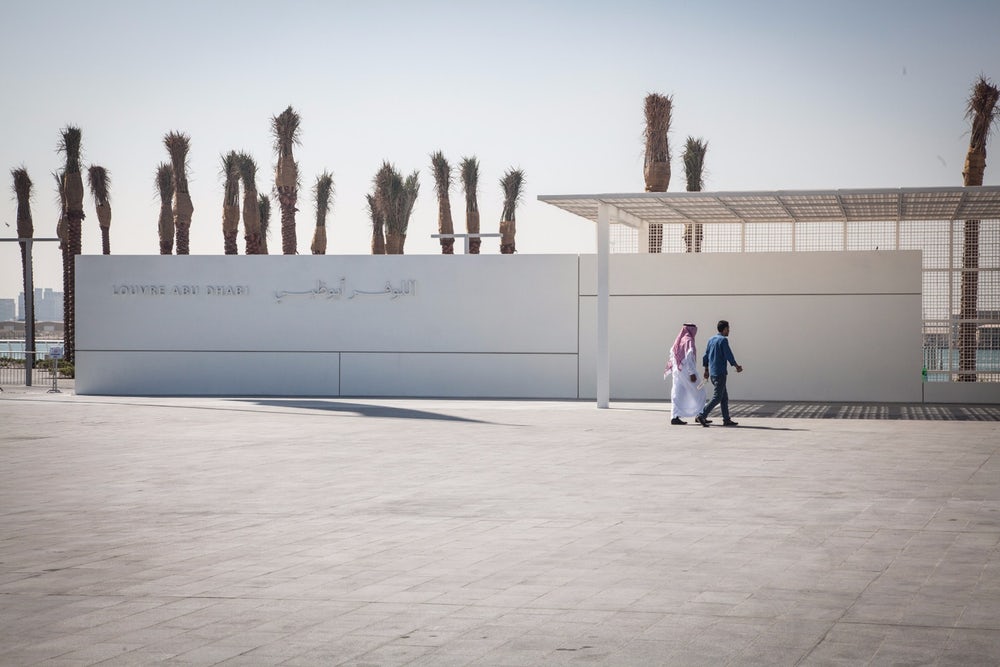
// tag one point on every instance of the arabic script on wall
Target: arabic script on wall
(341, 290)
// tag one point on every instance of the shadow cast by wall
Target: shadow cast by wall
(362, 409)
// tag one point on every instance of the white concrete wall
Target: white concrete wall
(456, 326)
(806, 326)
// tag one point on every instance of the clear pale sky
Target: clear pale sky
(789, 95)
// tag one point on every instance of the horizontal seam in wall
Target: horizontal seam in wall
(782, 294)
(564, 354)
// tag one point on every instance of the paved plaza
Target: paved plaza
(207, 531)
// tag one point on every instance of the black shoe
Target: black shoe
(701, 420)
(676, 421)
(708, 421)
(730, 422)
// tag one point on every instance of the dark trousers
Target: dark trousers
(720, 397)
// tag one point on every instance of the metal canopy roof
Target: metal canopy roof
(956, 203)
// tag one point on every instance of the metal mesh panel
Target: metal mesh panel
(723, 237)
(824, 236)
(769, 237)
(871, 235)
(624, 239)
(674, 237)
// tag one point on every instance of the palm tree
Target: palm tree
(230, 202)
(100, 180)
(378, 226)
(388, 193)
(442, 185)
(470, 183)
(323, 191)
(178, 145)
(251, 208)
(694, 171)
(982, 111)
(394, 198)
(25, 230)
(656, 166)
(73, 192)
(264, 209)
(285, 128)
(61, 223)
(512, 184)
(411, 189)
(165, 187)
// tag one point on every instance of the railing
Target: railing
(12, 360)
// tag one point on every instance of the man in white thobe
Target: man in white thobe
(687, 397)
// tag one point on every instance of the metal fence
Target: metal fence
(12, 360)
(942, 244)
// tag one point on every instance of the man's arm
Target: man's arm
(731, 359)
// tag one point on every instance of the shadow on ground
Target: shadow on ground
(363, 409)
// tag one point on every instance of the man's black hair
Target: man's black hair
(723, 324)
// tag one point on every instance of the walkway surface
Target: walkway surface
(182, 531)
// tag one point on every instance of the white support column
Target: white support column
(643, 237)
(603, 264)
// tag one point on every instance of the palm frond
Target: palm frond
(387, 185)
(178, 144)
(512, 185)
(373, 212)
(658, 110)
(264, 206)
(231, 177)
(469, 168)
(100, 182)
(411, 189)
(60, 188)
(165, 181)
(22, 190)
(70, 146)
(247, 167)
(285, 127)
(442, 173)
(694, 163)
(22, 184)
(983, 111)
(323, 191)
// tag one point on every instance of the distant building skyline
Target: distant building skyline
(48, 305)
(8, 310)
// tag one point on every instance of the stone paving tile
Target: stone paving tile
(208, 531)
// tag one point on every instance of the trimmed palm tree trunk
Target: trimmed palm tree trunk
(25, 230)
(251, 210)
(100, 184)
(411, 189)
(178, 145)
(388, 203)
(378, 226)
(264, 208)
(73, 188)
(323, 192)
(63, 241)
(165, 224)
(470, 184)
(230, 203)
(512, 184)
(656, 165)
(694, 171)
(982, 110)
(442, 185)
(285, 128)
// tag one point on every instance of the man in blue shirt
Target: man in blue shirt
(717, 356)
